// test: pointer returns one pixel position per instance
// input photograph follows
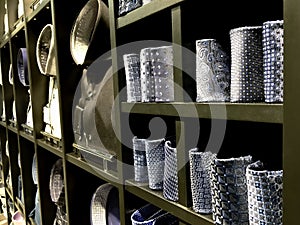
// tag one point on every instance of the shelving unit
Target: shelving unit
(266, 131)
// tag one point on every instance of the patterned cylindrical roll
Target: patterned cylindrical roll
(162, 68)
(264, 195)
(155, 156)
(126, 6)
(247, 80)
(200, 165)
(229, 190)
(273, 60)
(139, 160)
(147, 77)
(170, 188)
(212, 72)
(133, 78)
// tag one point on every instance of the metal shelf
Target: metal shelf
(44, 5)
(56, 150)
(255, 112)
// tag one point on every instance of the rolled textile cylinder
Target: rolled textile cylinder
(139, 160)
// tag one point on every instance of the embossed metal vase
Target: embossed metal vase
(264, 195)
(229, 190)
(155, 156)
(139, 160)
(133, 77)
(200, 165)
(247, 80)
(170, 188)
(273, 60)
(212, 72)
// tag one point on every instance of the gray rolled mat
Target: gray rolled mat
(139, 160)
(229, 190)
(264, 195)
(247, 80)
(273, 60)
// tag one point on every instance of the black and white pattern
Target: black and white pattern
(247, 80)
(126, 6)
(139, 160)
(229, 191)
(264, 195)
(273, 60)
(212, 72)
(155, 156)
(133, 77)
(200, 165)
(170, 187)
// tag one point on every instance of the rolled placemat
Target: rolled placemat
(229, 190)
(155, 156)
(139, 160)
(22, 64)
(273, 46)
(170, 187)
(264, 195)
(133, 77)
(200, 165)
(147, 76)
(212, 72)
(247, 80)
(126, 6)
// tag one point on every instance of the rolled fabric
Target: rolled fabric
(133, 77)
(264, 195)
(247, 80)
(90, 32)
(147, 77)
(200, 166)
(273, 47)
(170, 187)
(212, 72)
(229, 190)
(105, 205)
(45, 52)
(139, 160)
(22, 64)
(155, 156)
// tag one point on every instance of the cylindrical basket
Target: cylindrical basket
(212, 72)
(133, 77)
(170, 188)
(229, 190)
(247, 81)
(139, 160)
(264, 195)
(273, 60)
(200, 165)
(155, 156)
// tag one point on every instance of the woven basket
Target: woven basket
(133, 77)
(200, 165)
(229, 190)
(247, 81)
(212, 72)
(264, 195)
(170, 188)
(139, 159)
(273, 60)
(155, 156)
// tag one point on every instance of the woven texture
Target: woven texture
(56, 184)
(126, 6)
(157, 79)
(200, 165)
(139, 159)
(133, 77)
(212, 72)
(155, 156)
(170, 187)
(247, 81)
(229, 191)
(264, 195)
(273, 60)
(150, 215)
(23, 66)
